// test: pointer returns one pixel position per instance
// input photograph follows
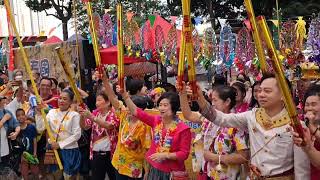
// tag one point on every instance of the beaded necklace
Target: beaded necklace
(164, 143)
(126, 135)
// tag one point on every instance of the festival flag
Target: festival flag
(129, 16)
(152, 19)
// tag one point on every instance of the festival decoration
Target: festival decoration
(107, 28)
(277, 67)
(313, 41)
(210, 49)
(171, 46)
(245, 49)
(160, 44)
(98, 27)
(310, 70)
(146, 41)
(227, 45)
(197, 44)
(29, 71)
(291, 38)
(120, 47)
(256, 37)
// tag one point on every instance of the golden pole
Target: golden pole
(66, 67)
(120, 47)
(94, 36)
(256, 37)
(34, 87)
(186, 48)
(277, 67)
(77, 38)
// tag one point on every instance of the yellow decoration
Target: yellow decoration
(137, 53)
(301, 32)
(310, 70)
(162, 57)
(264, 120)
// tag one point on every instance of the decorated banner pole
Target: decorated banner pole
(77, 40)
(67, 70)
(186, 48)
(256, 37)
(181, 62)
(120, 47)
(277, 67)
(34, 87)
(94, 36)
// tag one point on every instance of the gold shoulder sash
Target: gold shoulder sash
(268, 123)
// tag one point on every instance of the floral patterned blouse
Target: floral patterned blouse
(133, 142)
(225, 141)
(98, 133)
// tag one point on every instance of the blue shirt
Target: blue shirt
(28, 134)
(11, 123)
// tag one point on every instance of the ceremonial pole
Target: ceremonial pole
(120, 47)
(34, 87)
(67, 70)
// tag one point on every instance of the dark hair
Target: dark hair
(46, 78)
(69, 92)
(173, 99)
(103, 95)
(54, 81)
(169, 87)
(253, 101)
(62, 85)
(241, 86)
(219, 79)
(313, 90)
(226, 92)
(134, 86)
(139, 101)
(271, 75)
(20, 109)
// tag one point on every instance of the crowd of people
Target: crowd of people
(245, 129)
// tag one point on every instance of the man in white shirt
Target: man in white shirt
(273, 154)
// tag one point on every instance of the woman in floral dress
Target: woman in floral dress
(133, 138)
(225, 149)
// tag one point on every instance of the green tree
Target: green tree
(63, 10)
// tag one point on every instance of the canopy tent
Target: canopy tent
(53, 40)
(109, 56)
